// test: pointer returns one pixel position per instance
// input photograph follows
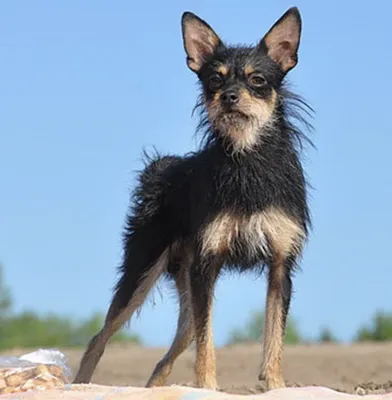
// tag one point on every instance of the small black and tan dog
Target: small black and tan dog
(239, 203)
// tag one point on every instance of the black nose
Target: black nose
(229, 97)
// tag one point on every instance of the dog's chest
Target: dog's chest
(271, 230)
(246, 187)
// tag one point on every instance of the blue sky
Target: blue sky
(85, 86)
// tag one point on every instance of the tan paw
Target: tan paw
(275, 381)
(208, 384)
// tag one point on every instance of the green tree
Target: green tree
(326, 336)
(28, 329)
(254, 330)
(379, 329)
(5, 297)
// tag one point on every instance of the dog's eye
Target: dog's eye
(215, 81)
(257, 80)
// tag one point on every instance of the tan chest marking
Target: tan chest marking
(272, 225)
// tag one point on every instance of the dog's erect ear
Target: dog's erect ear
(200, 40)
(282, 40)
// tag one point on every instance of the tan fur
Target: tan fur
(243, 133)
(216, 97)
(223, 69)
(283, 231)
(273, 330)
(249, 69)
(219, 233)
(185, 329)
(205, 357)
(144, 287)
(254, 106)
(115, 321)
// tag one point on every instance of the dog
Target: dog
(238, 203)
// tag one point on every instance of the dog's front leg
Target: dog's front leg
(277, 307)
(203, 275)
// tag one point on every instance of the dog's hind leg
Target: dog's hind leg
(141, 269)
(148, 237)
(185, 328)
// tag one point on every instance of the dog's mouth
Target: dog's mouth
(238, 130)
(234, 114)
(232, 120)
(232, 117)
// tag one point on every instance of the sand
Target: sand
(352, 369)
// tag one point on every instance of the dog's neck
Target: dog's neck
(271, 136)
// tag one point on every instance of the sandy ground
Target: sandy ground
(362, 369)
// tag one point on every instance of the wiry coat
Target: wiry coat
(238, 203)
(180, 196)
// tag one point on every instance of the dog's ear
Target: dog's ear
(282, 40)
(200, 40)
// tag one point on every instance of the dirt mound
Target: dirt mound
(357, 369)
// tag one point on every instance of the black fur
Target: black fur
(177, 196)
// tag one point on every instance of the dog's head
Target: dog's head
(241, 84)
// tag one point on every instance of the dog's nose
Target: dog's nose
(229, 97)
